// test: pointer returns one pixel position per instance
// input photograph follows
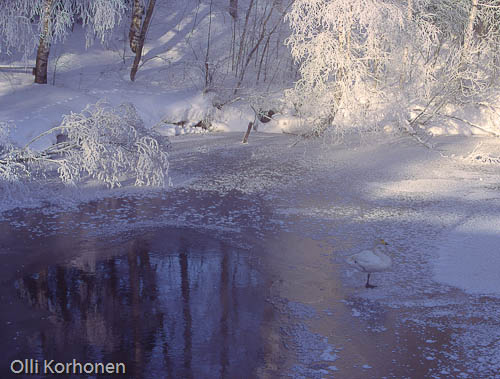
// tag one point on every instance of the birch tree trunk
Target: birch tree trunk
(135, 25)
(142, 38)
(42, 54)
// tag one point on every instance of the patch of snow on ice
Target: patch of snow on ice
(302, 311)
(328, 355)
(468, 254)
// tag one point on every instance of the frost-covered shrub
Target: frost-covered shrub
(364, 63)
(4, 135)
(12, 168)
(343, 48)
(108, 144)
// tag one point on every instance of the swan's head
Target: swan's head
(351, 260)
(380, 245)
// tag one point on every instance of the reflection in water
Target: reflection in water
(191, 309)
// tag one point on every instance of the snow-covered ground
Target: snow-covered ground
(308, 204)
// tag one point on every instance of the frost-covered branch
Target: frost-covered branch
(108, 144)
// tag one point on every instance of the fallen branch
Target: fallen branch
(471, 124)
(19, 68)
(408, 128)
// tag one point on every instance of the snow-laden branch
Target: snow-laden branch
(108, 144)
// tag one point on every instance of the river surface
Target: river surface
(183, 303)
(171, 303)
(238, 274)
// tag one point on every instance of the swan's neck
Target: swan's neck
(379, 249)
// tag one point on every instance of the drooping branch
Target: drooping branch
(108, 144)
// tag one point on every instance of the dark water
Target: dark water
(181, 303)
(173, 304)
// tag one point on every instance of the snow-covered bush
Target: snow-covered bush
(343, 48)
(11, 166)
(366, 63)
(4, 135)
(105, 143)
(108, 143)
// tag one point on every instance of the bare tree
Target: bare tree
(259, 38)
(243, 36)
(104, 142)
(430, 55)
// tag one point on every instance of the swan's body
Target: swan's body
(370, 261)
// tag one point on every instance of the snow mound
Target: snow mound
(196, 114)
(190, 109)
(483, 154)
(467, 255)
(287, 124)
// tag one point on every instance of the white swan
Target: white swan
(370, 261)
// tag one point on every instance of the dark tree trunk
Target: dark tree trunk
(42, 61)
(42, 54)
(135, 25)
(233, 8)
(142, 38)
(249, 129)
